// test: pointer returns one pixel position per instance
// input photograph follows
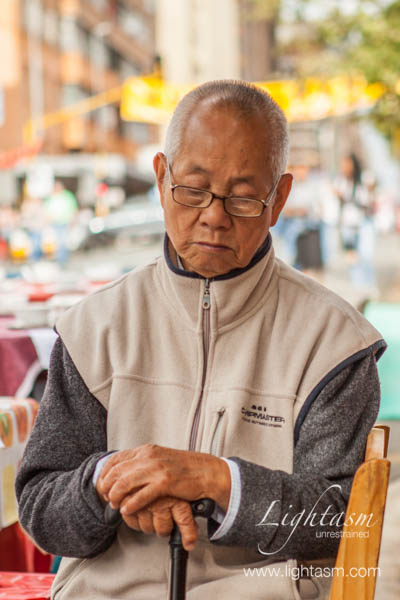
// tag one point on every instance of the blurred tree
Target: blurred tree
(373, 48)
(365, 39)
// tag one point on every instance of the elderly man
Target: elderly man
(215, 371)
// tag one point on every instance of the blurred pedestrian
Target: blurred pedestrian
(33, 221)
(300, 223)
(61, 209)
(357, 229)
(8, 222)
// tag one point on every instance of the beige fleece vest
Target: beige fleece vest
(272, 335)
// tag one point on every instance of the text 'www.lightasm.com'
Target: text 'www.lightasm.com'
(310, 571)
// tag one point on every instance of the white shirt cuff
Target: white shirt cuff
(218, 515)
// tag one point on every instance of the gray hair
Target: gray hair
(247, 100)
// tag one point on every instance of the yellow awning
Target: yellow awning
(152, 100)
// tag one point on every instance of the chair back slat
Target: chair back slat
(356, 566)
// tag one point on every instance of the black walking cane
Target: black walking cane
(179, 556)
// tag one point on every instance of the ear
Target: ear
(160, 170)
(282, 193)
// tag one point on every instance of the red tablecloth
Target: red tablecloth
(19, 553)
(25, 586)
(18, 360)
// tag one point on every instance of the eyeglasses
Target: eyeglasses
(236, 206)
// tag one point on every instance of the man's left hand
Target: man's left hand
(133, 479)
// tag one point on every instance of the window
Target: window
(128, 69)
(106, 117)
(33, 17)
(50, 27)
(133, 24)
(114, 59)
(99, 54)
(73, 37)
(71, 94)
(137, 132)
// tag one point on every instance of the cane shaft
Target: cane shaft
(177, 584)
(179, 556)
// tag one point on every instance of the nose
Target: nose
(215, 216)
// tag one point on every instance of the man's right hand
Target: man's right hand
(159, 517)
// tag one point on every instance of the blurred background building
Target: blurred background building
(199, 39)
(58, 53)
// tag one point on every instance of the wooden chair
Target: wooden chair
(356, 566)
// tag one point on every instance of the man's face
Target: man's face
(227, 155)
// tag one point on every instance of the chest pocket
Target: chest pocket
(251, 426)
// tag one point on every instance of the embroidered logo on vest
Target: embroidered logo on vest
(258, 415)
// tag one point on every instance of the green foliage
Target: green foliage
(376, 54)
(366, 41)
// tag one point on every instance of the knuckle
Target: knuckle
(164, 479)
(114, 472)
(150, 449)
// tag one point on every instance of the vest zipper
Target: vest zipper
(217, 427)
(206, 305)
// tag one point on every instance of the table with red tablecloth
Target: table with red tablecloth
(17, 551)
(24, 354)
(25, 586)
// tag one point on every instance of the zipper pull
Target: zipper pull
(206, 296)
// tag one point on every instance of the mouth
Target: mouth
(208, 246)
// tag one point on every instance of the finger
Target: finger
(141, 452)
(183, 517)
(145, 520)
(140, 498)
(132, 522)
(127, 477)
(162, 521)
(116, 462)
(114, 459)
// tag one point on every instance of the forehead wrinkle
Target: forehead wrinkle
(198, 170)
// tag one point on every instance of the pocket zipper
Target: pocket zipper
(214, 439)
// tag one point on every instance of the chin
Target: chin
(210, 269)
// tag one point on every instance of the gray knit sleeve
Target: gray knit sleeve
(298, 515)
(58, 505)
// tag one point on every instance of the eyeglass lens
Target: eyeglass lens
(201, 199)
